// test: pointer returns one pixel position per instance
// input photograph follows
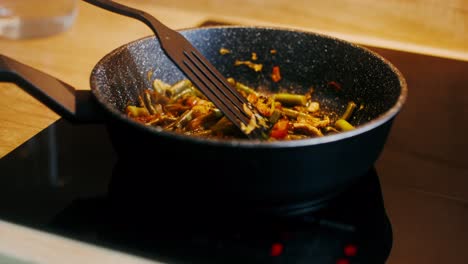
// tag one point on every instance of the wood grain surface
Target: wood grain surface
(70, 56)
(420, 26)
(429, 27)
(23, 245)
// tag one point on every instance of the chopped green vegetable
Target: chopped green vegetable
(241, 87)
(178, 87)
(349, 110)
(343, 125)
(160, 86)
(188, 91)
(275, 116)
(291, 99)
(295, 114)
(136, 111)
(182, 108)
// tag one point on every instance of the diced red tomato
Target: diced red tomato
(280, 129)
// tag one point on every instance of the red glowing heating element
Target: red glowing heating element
(350, 250)
(343, 261)
(276, 249)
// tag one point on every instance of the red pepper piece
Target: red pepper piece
(280, 129)
(275, 74)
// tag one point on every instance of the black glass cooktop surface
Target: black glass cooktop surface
(65, 181)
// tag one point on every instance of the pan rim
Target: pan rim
(385, 117)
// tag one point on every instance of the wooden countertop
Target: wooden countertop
(418, 26)
(70, 57)
(23, 245)
(415, 26)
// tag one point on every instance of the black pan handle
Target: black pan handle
(74, 105)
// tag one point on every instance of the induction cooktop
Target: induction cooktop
(65, 180)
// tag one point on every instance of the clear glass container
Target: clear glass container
(21, 19)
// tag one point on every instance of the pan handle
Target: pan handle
(78, 106)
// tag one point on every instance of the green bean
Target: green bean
(295, 114)
(275, 116)
(189, 91)
(241, 87)
(343, 125)
(137, 111)
(148, 103)
(178, 87)
(349, 110)
(291, 99)
(160, 86)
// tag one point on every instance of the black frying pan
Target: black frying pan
(241, 172)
